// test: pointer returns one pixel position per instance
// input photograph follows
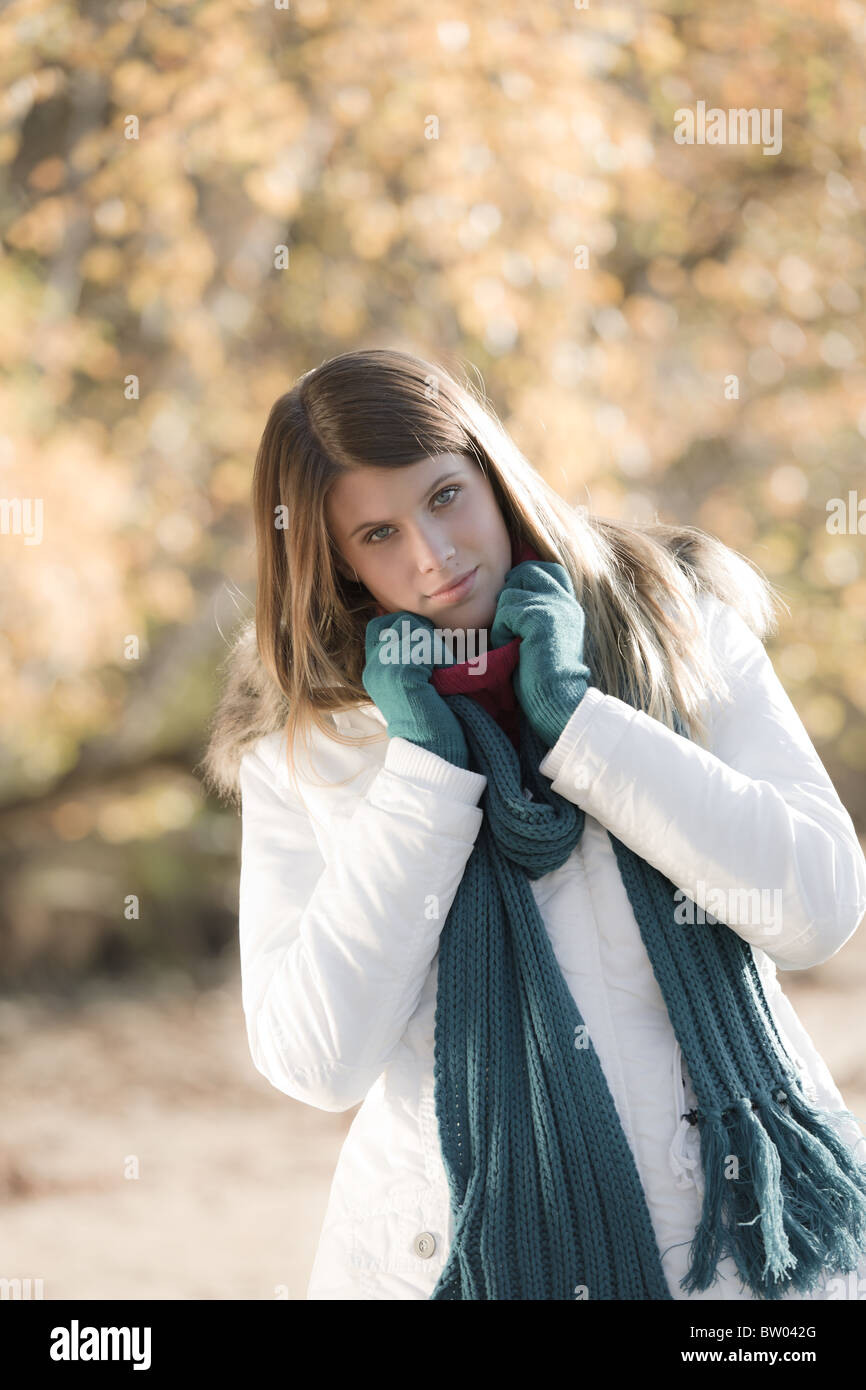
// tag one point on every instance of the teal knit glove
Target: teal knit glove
(537, 604)
(412, 707)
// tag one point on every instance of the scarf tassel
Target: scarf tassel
(808, 1188)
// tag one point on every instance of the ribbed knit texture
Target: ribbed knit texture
(545, 1193)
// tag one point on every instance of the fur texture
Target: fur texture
(251, 705)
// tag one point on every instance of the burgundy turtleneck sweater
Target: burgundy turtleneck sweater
(492, 688)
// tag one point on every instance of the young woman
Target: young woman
(527, 904)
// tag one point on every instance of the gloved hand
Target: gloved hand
(537, 604)
(412, 707)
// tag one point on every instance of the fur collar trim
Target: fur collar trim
(250, 706)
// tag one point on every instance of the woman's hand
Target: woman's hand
(412, 707)
(537, 604)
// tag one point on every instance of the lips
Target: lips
(457, 588)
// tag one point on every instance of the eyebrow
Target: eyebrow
(374, 525)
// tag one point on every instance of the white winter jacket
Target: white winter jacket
(339, 946)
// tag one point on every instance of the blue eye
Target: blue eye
(452, 487)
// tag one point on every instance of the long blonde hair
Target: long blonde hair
(636, 582)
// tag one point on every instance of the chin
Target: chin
(479, 619)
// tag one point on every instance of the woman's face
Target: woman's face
(408, 532)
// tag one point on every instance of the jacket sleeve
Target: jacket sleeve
(757, 811)
(334, 956)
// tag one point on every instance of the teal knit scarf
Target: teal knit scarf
(546, 1197)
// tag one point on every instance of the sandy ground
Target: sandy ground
(232, 1176)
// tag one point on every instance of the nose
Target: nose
(433, 553)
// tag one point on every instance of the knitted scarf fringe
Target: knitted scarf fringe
(545, 1193)
(796, 1207)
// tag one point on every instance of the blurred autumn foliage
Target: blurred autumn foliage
(203, 200)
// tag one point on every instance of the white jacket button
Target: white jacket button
(424, 1244)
